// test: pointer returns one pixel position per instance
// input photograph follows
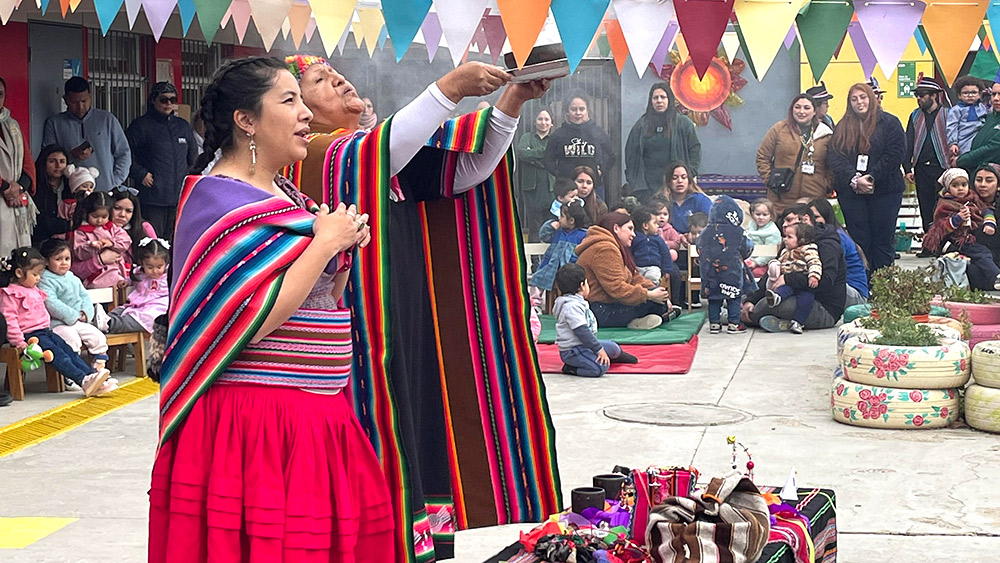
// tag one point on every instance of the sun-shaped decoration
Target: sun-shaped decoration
(710, 95)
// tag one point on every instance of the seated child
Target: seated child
(762, 230)
(722, 247)
(965, 118)
(69, 305)
(800, 254)
(651, 253)
(573, 223)
(661, 213)
(99, 246)
(696, 224)
(149, 298)
(81, 184)
(576, 329)
(565, 191)
(24, 310)
(958, 214)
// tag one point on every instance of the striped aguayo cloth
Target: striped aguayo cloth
(496, 436)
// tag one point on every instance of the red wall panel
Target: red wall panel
(14, 70)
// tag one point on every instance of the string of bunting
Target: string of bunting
(645, 31)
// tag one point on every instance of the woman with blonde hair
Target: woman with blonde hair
(866, 155)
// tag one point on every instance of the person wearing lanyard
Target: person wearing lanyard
(797, 143)
(926, 148)
(866, 154)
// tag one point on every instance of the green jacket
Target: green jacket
(530, 150)
(684, 147)
(985, 146)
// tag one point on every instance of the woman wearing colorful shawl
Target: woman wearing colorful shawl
(261, 457)
(445, 380)
(17, 180)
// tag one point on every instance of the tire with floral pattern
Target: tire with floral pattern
(943, 326)
(986, 363)
(982, 408)
(920, 367)
(886, 407)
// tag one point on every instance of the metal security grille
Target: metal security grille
(115, 70)
(198, 61)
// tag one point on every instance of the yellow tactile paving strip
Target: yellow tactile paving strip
(19, 533)
(53, 422)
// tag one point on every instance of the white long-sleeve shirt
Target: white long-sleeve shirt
(414, 124)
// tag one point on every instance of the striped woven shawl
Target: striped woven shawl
(233, 245)
(500, 436)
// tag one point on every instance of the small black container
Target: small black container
(612, 484)
(587, 497)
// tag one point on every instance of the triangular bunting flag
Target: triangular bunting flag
(269, 16)
(460, 19)
(523, 20)
(730, 44)
(286, 28)
(310, 29)
(6, 9)
(157, 14)
(132, 11)
(743, 47)
(343, 40)
(227, 17)
(332, 20)
(298, 19)
(577, 20)
(993, 19)
(383, 36)
(43, 5)
(921, 44)
(403, 18)
(368, 27)
(495, 34)
(643, 24)
(210, 13)
(985, 66)
(951, 26)
(757, 20)
(888, 27)
(616, 39)
(663, 49)
(789, 38)
(186, 8)
(431, 30)
(74, 4)
(864, 51)
(106, 10)
(682, 48)
(822, 26)
(239, 11)
(703, 22)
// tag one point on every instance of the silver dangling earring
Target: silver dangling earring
(253, 154)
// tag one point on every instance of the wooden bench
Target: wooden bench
(15, 377)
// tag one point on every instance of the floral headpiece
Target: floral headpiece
(298, 64)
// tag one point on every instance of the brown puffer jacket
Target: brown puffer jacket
(783, 145)
(609, 279)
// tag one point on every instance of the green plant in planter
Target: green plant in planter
(906, 332)
(900, 293)
(965, 295)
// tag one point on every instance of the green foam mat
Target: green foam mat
(677, 331)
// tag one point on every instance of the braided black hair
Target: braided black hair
(239, 84)
(24, 259)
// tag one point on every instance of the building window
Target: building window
(198, 62)
(114, 68)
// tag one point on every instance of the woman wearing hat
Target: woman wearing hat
(866, 153)
(163, 149)
(822, 97)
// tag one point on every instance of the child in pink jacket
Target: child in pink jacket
(99, 246)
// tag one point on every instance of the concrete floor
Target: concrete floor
(903, 496)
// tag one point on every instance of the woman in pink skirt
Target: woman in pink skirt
(261, 457)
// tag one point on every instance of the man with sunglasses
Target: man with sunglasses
(163, 149)
(927, 147)
(986, 144)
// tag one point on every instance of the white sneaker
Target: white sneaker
(996, 283)
(648, 322)
(101, 318)
(93, 383)
(107, 387)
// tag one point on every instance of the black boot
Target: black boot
(5, 399)
(625, 358)
(568, 370)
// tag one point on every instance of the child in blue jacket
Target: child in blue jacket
(651, 253)
(723, 246)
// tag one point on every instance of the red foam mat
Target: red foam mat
(653, 358)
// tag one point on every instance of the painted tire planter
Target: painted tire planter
(885, 407)
(865, 310)
(984, 333)
(921, 367)
(943, 326)
(979, 313)
(982, 408)
(986, 363)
